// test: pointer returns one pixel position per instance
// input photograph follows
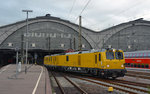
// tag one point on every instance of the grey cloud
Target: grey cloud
(99, 13)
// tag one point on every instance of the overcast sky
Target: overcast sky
(98, 15)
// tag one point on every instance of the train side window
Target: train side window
(148, 54)
(95, 59)
(143, 55)
(142, 66)
(146, 66)
(137, 55)
(67, 58)
(140, 54)
(133, 55)
(131, 64)
(125, 55)
(99, 57)
(119, 55)
(110, 55)
(139, 65)
(135, 65)
(128, 64)
(129, 55)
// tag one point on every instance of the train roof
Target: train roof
(81, 52)
(142, 51)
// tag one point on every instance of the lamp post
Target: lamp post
(80, 45)
(27, 11)
(16, 49)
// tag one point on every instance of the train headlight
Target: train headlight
(107, 65)
(114, 50)
(122, 65)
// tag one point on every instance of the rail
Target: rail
(72, 83)
(117, 86)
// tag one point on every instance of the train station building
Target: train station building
(48, 35)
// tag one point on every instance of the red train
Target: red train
(137, 59)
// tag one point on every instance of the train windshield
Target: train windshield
(110, 55)
(119, 55)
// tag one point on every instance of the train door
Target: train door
(53, 60)
(56, 60)
(96, 60)
(79, 60)
(99, 60)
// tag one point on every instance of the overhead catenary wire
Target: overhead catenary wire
(82, 10)
(85, 7)
(133, 7)
(90, 23)
(121, 12)
(125, 10)
(71, 8)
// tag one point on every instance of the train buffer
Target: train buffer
(34, 81)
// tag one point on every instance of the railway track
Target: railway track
(133, 83)
(74, 89)
(135, 72)
(138, 76)
(124, 86)
(143, 75)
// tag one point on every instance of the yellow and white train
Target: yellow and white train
(105, 63)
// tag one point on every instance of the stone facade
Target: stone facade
(46, 33)
(130, 36)
(52, 33)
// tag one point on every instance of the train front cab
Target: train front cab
(112, 64)
(46, 60)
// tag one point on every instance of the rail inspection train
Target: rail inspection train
(106, 63)
(138, 59)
